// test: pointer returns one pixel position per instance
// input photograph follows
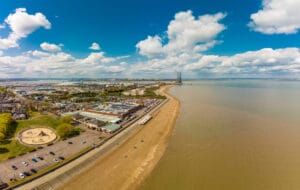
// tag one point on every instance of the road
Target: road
(84, 161)
(61, 148)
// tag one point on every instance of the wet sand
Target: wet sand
(128, 165)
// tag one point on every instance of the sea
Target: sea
(233, 135)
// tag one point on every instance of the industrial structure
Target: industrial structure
(179, 80)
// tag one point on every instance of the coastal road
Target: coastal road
(61, 148)
(126, 166)
(87, 161)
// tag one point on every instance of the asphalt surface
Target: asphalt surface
(55, 179)
(60, 149)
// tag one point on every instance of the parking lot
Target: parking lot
(49, 155)
(45, 157)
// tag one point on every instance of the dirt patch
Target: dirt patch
(37, 136)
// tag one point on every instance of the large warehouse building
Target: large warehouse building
(117, 109)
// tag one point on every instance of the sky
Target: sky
(149, 39)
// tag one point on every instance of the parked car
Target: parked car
(55, 160)
(38, 157)
(83, 142)
(33, 170)
(21, 175)
(27, 173)
(70, 142)
(24, 163)
(3, 185)
(52, 153)
(61, 157)
(34, 160)
(14, 167)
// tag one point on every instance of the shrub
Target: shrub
(3, 150)
(66, 119)
(2, 136)
(66, 130)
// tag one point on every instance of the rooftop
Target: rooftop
(115, 107)
(111, 127)
(101, 117)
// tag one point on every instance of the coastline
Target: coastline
(128, 165)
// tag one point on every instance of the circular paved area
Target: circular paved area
(37, 136)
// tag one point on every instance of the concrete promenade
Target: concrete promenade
(66, 173)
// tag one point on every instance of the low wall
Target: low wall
(62, 178)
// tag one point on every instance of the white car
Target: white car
(55, 160)
(21, 175)
(25, 163)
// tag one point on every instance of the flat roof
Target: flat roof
(101, 117)
(115, 107)
(98, 116)
(111, 127)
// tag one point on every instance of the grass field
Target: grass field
(39, 120)
(13, 147)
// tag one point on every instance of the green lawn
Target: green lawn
(34, 114)
(42, 120)
(13, 147)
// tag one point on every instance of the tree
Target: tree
(66, 119)
(3, 150)
(6, 122)
(2, 136)
(66, 130)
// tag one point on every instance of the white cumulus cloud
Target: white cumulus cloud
(264, 62)
(99, 57)
(185, 33)
(59, 64)
(150, 47)
(21, 25)
(277, 17)
(260, 62)
(50, 47)
(95, 46)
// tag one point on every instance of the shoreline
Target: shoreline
(128, 165)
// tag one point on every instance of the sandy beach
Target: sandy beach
(128, 165)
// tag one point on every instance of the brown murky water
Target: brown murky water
(233, 135)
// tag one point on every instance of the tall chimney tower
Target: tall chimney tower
(179, 80)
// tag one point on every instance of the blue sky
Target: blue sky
(52, 38)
